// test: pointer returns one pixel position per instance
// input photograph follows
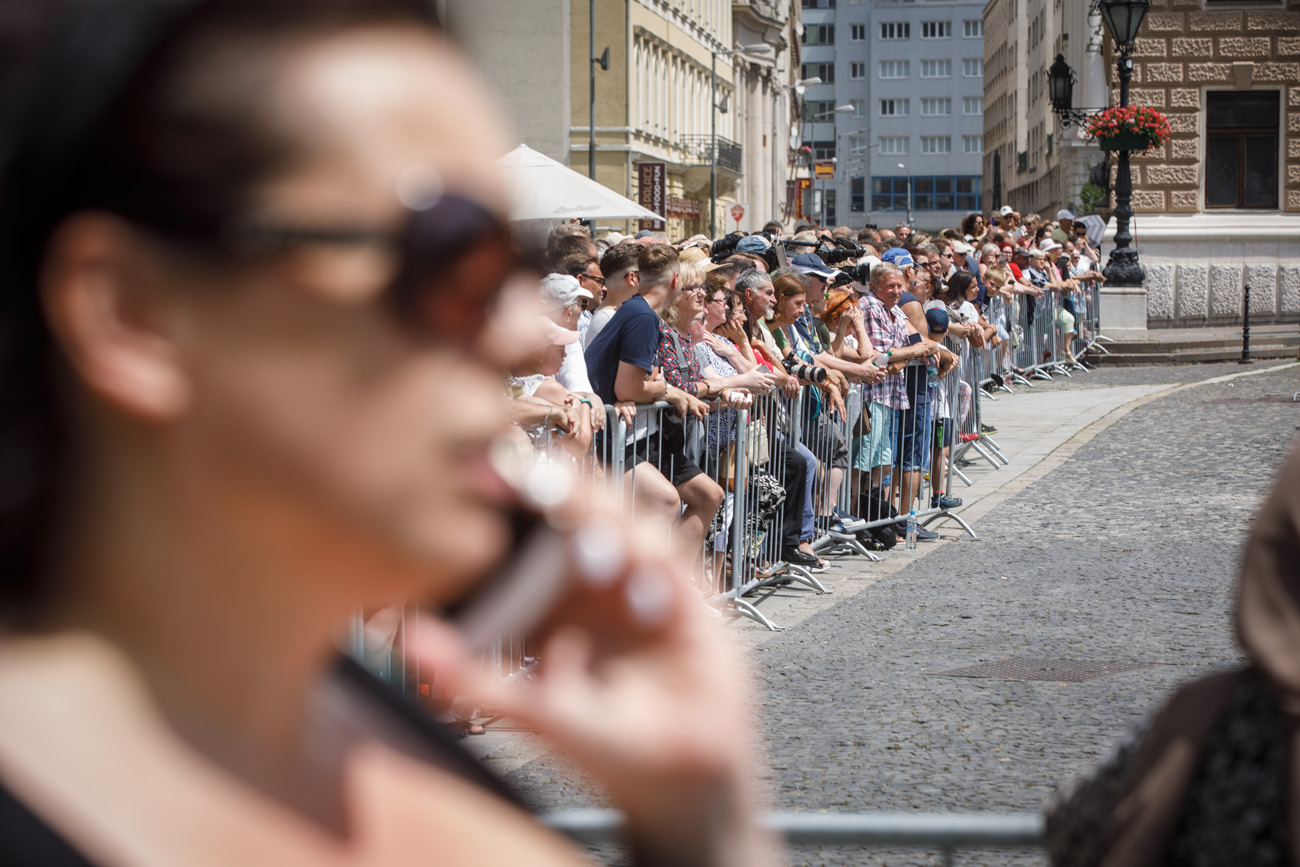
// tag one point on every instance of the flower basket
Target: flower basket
(1134, 128)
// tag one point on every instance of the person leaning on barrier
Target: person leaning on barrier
(539, 405)
(886, 327)
(586, 270)
(623, 364)
(563, 299)
(256, 317)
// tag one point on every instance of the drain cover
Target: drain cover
(1067, 670)
(1268, 398)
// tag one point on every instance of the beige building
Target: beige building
(1218, 206)
(652, 106)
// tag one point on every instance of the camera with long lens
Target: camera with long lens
(859, 273)
(806, 372)
(725, 246)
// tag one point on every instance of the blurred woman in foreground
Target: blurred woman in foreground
(249, 251)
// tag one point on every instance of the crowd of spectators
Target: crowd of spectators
(709, 326)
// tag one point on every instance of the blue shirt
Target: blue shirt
(632, 335)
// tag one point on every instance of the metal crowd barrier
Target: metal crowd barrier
(947, 832)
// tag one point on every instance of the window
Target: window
(891, 30)
(857, 145)
(824, 71)
(889, 194)
(936, 68)
(936, 29)
(896, 144)
(823, 150)
(933, 107)
(972, 144)
(895, 68)
(936, 144)
(972, 29)
(818, 34)
(859, 107)
(895, 107)
(831, 217)
(857, 32)
(1241, 149)
(972, 105)
(946, 193)
(857, 71)
(819, 4)
(857, 195)
(973, 67)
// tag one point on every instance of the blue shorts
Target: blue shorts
(912, 438)
(876, 448)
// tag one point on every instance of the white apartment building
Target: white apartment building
(912, 145)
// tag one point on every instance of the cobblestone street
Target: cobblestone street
(1125, 552)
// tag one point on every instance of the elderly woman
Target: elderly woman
(251, 386)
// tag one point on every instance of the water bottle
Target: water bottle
(910, 544)
(882, 358)
(931, 372)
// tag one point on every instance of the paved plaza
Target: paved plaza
(1108, 546)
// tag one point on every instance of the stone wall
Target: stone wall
(1185, 49)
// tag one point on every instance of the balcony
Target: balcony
(699, 152)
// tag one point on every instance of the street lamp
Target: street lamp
(909, 194)
(761, 48)
(603, 63)
(798, 88)
(820, 118)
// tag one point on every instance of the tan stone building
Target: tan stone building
(1219, 205)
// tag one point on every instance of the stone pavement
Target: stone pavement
(1111, 538)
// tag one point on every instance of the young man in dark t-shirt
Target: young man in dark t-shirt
(622, 369)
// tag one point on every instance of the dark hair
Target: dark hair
(142, 109)
(657, 264)
(576, 264)
(968, 223)
(954, 291)
(620, 257)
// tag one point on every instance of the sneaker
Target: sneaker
(988, 428)
(943, 501)
(795, 557)
(924, 534)
(846, 523)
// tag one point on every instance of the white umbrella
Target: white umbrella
(543, 189)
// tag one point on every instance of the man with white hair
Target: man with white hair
(562, 301)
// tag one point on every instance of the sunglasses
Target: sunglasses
(600, 281)
(454, 256)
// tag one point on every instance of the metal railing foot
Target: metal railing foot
(747, 609)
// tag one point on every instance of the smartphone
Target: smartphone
(519, 595)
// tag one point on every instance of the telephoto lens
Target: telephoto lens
(806, 372)
(859, 273)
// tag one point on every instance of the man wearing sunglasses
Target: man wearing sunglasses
(620, 278)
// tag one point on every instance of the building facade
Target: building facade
(909, 144)
(1217, 207)
(655, 107)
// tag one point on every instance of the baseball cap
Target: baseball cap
(936, 318)
(561, 290)
(1049, 245)
(752, 244)
(1065, 214)
(897, 256)
(1007, 211)
(811, 263)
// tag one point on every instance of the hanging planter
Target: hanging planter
(1133, 128)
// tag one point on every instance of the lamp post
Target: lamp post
(846, 108)
(1123, 19)
(603, 63)
(798, 89)
(761, 48)
(909, 194)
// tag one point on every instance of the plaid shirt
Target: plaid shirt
(887, 330)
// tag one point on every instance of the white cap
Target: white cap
(561, 290)
(1007, 211)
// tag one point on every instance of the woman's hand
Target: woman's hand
(631, 664)
(759, 380)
